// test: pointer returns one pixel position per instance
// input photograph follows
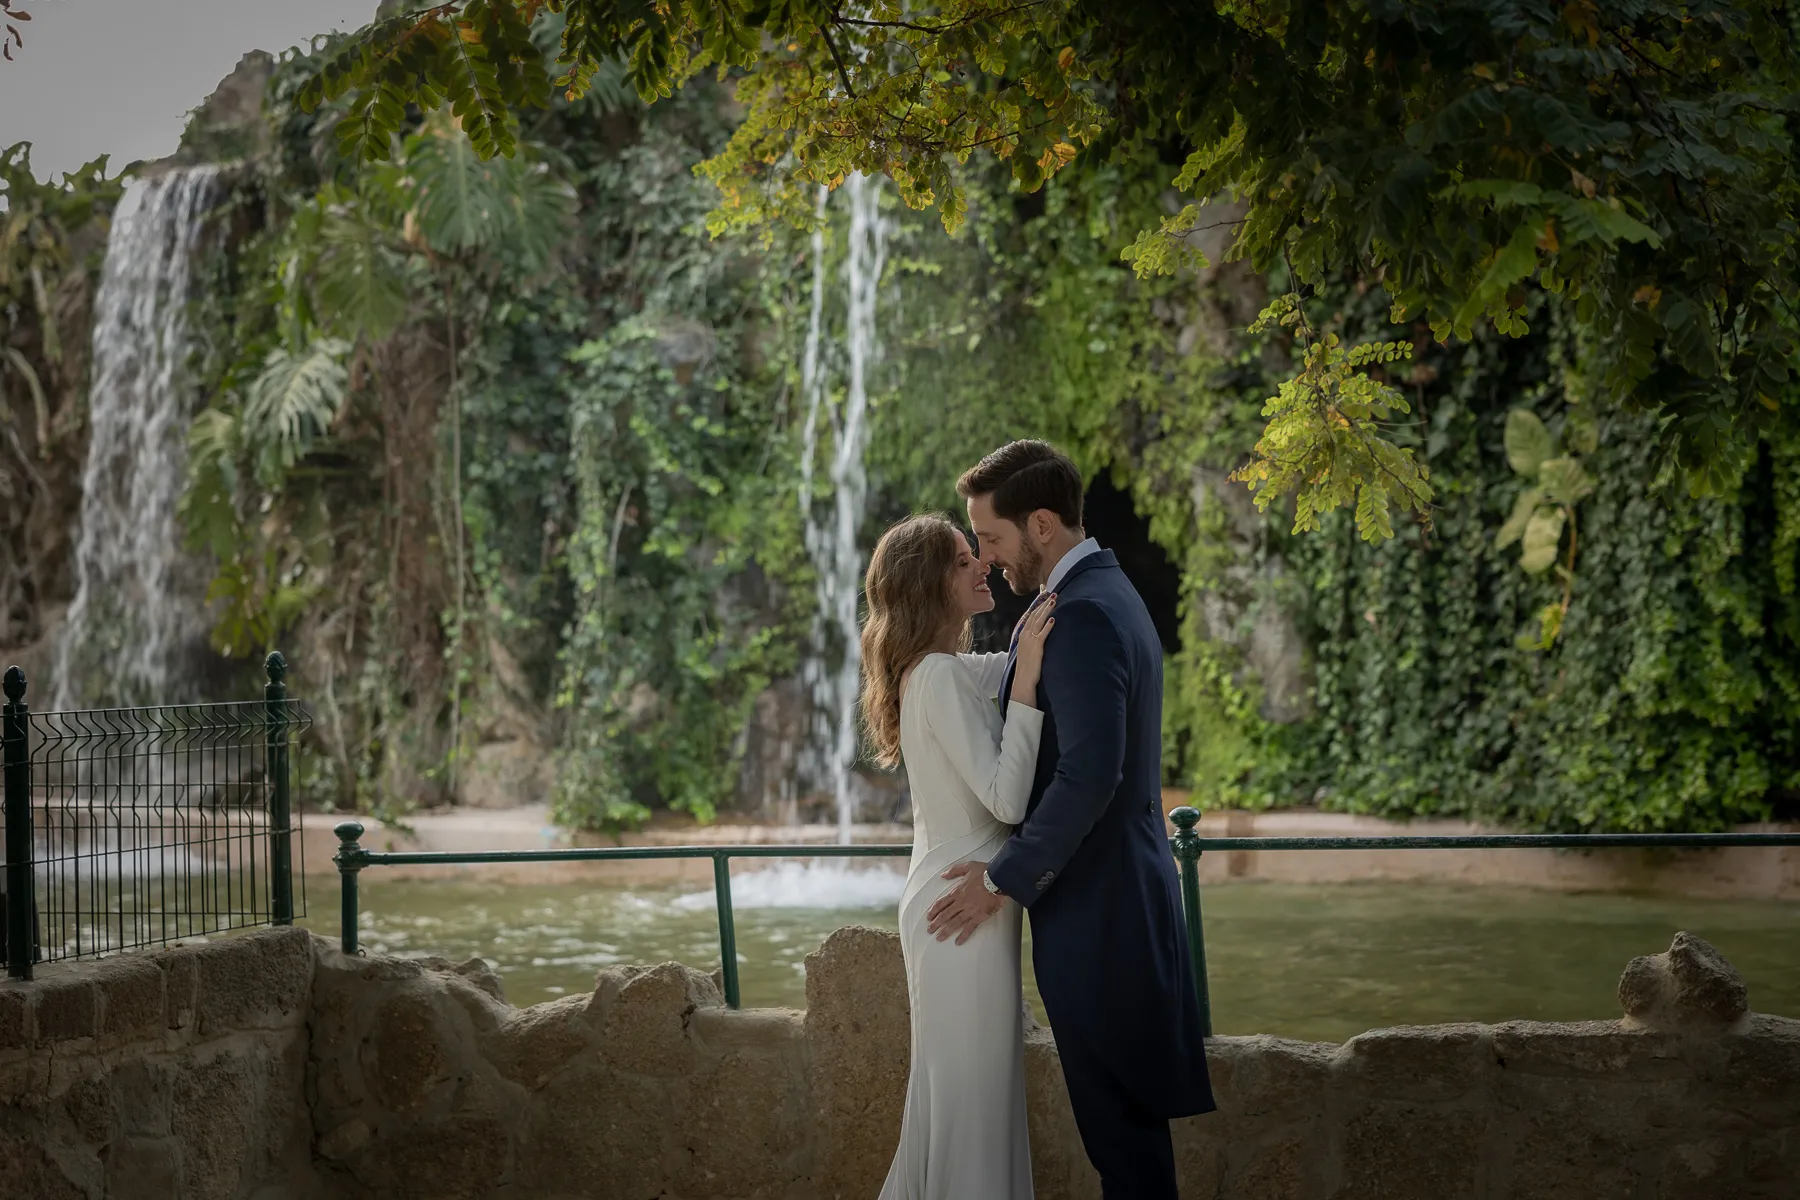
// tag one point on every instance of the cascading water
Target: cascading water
(831, 542)
(136, 605)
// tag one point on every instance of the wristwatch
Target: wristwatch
(987, 881)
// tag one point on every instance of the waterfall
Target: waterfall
(137, 607)
(831, 543)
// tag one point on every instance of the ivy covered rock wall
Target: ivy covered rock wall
(507, 456)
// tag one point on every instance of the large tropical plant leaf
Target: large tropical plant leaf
(1543, 533)
(1523, 507)
(1565, 481)
(359, 281)
(457, 196)
(1528, 442)
(513, 209)
(295, 399)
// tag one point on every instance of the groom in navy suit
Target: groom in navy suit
(1091, 862)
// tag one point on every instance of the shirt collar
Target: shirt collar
(1061, 570)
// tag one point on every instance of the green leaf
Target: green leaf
(1528, 442)
(1582, 432)
(1543, 533)
(1564, 481)
(359, 281)
(1595, 220)
(1523, 507)
(1503, 192)
(295, 398)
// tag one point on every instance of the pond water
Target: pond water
(1320, 962)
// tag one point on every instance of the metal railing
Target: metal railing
(128, 827)
(1187, 846)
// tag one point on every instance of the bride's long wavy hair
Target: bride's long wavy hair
(911, 604)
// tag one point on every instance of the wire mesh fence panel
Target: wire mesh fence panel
(160, 823)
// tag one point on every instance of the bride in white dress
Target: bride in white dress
(928, 703)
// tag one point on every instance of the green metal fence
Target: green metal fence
(130, 827)
(1187, 846)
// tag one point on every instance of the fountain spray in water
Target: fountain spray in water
(135, 609)
(832, 544)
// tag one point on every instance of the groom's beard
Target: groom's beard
(1027, 575)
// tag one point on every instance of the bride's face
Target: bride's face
(969, 581)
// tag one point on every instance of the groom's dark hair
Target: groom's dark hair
(1022, 477)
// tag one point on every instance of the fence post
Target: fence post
(281, 851)
(1187, 849)
(727, 928)
(15, 754)
(349, 865)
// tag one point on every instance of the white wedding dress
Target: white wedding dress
(963, 1135)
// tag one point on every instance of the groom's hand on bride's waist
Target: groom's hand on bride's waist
(962, 909)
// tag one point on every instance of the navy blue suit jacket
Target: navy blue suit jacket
(1091, 863)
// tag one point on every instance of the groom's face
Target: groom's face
(1005, 545)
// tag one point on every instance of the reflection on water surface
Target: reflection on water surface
(1306, 961)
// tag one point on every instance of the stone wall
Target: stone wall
(270, 1066)
(175, 1074)
(429, 1086)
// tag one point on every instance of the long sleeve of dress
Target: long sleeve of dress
(998, 765)
(989, 670)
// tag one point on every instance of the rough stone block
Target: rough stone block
(484, 977)
(1201, 1145)
(1262, 1075)
(66, 1004)
(344, 1141)
(254, 980)
(1559, 1154)
(1428, 1062)
(1404, 1152)
(1643, 1114)
(143, 1089)
(1059, 1164)
(1700, 1171)
(1772, 1164)
(1597, 1049)
(336, 1085)
(742, 1129)
(474, 971)
(131, 998)
(180, 968)
(1763, 1063)
(1689, 984)
(645, 1023)
(284, 1126)
(214, 1110)
(91, 1113)
(452, 1158)
(1276, 1169)
(143, 1169)
(542, 1040)
(604, 1134)
(15, 1017)
(762, 1030)
(857, 1028)
(409, 1050)
(26, 1170)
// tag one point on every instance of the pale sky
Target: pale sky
(119, 77)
